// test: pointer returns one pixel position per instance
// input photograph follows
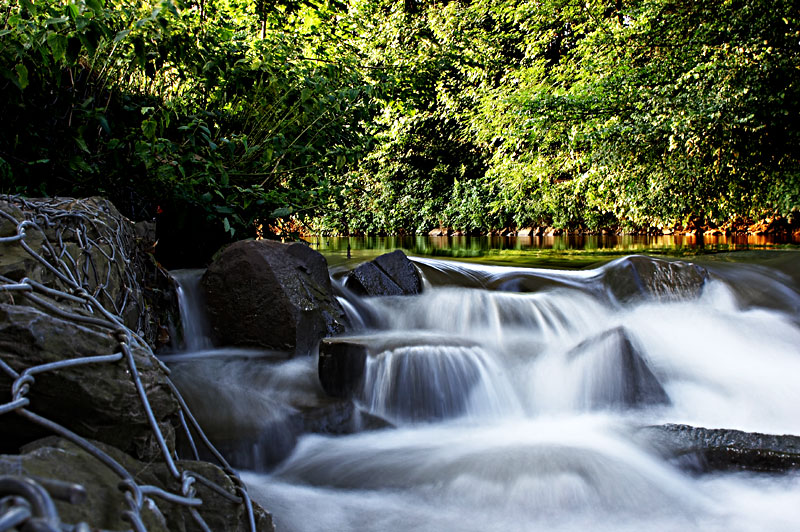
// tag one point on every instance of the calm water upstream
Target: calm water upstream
(512, 403)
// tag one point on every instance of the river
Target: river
(516, 397)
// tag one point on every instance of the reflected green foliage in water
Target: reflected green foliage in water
(560, 252)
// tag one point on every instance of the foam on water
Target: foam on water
(519, 411)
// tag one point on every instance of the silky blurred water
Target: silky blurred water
(516, 395)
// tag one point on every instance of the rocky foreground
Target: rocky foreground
(91, 419)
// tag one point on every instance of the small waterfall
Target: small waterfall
(193, 319)
(513, 400)
(428, 382)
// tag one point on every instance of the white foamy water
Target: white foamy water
(519, 411)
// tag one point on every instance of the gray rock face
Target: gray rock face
(391, 274)
(706, 450)
(98, 401)
(638, 277)
(56, 459)
(89, 293)
(104, 252)
(630, 382)
(274, 295)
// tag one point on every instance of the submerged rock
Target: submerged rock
(638, 277)
(273, 295)
(391, 274)
(705, 450)
(625, 378)
(260, 406)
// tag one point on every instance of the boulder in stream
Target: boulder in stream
(704, 450)
(617, 375)
(638, 277)
(274, 295)
(391, 274)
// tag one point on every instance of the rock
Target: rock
(526, 231)
(626, 379)
(103, 251)
(97, 401)
(54, 460)
(369, 279)
(638, 277)
(268, 405)
(388, 275)
(274, 295)
(342, 365)
(707, 450)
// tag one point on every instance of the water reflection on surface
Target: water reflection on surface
(564, 251)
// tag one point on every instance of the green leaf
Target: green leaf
(82, 144)
(58, 45)
(28, 5)
(121, 35)
(104, 123)
(227, 226)
(281, 212)
(22, 76)
(149, 128)
(96, 5)
(59, 20)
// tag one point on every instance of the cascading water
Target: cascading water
(195, 327)
(517, 397)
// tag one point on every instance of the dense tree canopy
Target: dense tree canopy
(387, 116)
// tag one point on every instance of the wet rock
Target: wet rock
(97, 401)
(340, 417)
(706, 450)
(274, 295)
(55, 459)
(626, 381)
(268, 405)
(388, 275)
(342, 365)
(638, 277)
(103, 249)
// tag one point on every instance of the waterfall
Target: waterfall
(512, 399)
(190, 301)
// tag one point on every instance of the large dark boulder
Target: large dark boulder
(620, 376)
(704, 450)
(273, 295)
(391, 274)
(638, 278)
(98, 401)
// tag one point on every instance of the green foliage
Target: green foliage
(179, 104)
(372, 116)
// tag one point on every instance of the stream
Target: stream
(510, 399)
